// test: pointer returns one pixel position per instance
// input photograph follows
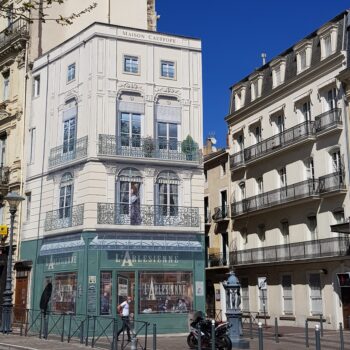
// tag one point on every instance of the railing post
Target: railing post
(26, 323)
(213, 335)
(321, 324)
(69, 327)
(82, 332)
(154, 336)
(276, 330)
(306, 333)
(199, 336)
(93, 333)
(41, 325)
(250, 326)
(146, 334)
(341, 334)
(87, 331)
(317, 337)
(260, 336)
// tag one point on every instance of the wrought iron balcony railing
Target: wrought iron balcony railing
(147, 215)
(332, 182)
(220, 213)
(16, 30)
(207, 216)
(68, 152)
(4, 175)
(64, 217)
(304, 189)
(288, 137)
(328, 120)
(217, 260)
(137, 147)
(329, 247)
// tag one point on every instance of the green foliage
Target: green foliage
(148, 147)
(190, 148)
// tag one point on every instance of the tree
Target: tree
(37, 10)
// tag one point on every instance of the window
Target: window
(336, 161)
(130, 129)
(64, 293)
(168, 193)
(244, 234)
(306, 111)
(36, 86)
(287, 294)
(161, 292)
(205, 175)
(303, 60)
(206, 210)
(331, 100)
(328, 39)
(239, 96)
(242, 190)
(32, 132)
(106, 293)
(3, 150)
(131, 64)
(303, 52)
(167, 136)
(327, 45)
(223, 198)
(69, 134)
(310, 169)
(71, 72)
(278, 68)
(29, 205)
(6, 85)
(254, 90)
(339, 215)
(285, 230)
(278, 78)
(312, 224)
(283, 177)
(245, 294)
(280, 124)
(168, 69)
(240, 142)
(262, 232)
(315, 294)
(260, 185)
(66, 196)
(257, 134)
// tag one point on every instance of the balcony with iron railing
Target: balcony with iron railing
(315, 249)
(328, 121)
(148, 148)
(64, 218)
(17, 30)
(68, 152)
(306, 189)
(147, 215)
(332, 183)
(221, 213)
(217, 260)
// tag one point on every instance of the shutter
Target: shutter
(168, 114)
(131, 107)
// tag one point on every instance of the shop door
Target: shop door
(21, 298)
(345, 295)
(126, 287)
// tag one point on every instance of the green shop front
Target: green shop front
(92, 273)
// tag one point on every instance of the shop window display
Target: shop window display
(161, 292)
(106, 293)
(64, 293)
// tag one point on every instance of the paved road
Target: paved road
(290, 339)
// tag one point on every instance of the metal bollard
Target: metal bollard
(133, 343)
(321, 324)
(276, 331)
(213, 335)
(306, 333)
(349, 322)
(154, 336)
(260, 336)
(317, 337)
(199, 336)
(341, 334)
(87, 331)
(251, 326)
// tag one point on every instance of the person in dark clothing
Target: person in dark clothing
(124, 309)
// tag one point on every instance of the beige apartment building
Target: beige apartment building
(289, 162)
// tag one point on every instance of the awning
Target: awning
(341, 228)
(61, 245)
(151, 243)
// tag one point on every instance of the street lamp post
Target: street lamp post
(13, 200)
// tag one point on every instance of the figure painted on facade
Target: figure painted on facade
(234, 299)
(135, 216)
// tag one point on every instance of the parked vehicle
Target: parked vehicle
(222, 340)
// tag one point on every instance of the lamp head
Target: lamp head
(13, 199)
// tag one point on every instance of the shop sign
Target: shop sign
(130, 259)
(60, 261)
(199, 289)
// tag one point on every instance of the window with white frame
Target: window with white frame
(328, 39)
(336, 161)
(69, 126)
(130, 129)
(330, 99)
(66, 196)
(168, 193)
(29, 205)
(254, 90)
(71, 72)
(278, 68)
(315, 294)
(327, 45)
(6, 85)
(167, 69)
(239, 96)
(242, 190)
(306, 111)
(36, 86)
(287, 294)
(240, 142)
(245, 294)
(255, 132)
(303, 51)
(167, 136)
(3, 141)
(312, 225)
(131, 64)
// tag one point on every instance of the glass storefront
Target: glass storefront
(64, 293)
(106, 293)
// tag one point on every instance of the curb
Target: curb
(6, 346)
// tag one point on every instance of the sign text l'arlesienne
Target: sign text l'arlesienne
(131, 258)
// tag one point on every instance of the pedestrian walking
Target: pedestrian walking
(124, 310)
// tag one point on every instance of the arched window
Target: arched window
(66, 196)
(69, 126)
(129, 183)
(168, 193)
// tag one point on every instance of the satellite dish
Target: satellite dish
(213, 140)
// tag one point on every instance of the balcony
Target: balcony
(329, 247)
(147, 148)
(64, 218)
(274, 144)
(332, 183)
(217, 260)
(17, 31)
(305, 189)
(68, 153)
(147, 215)
(328, 121)
(221, 213)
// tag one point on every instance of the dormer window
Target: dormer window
(303, 55)
(278, 68)
(239, 96)
(328, 39)
(256, 85)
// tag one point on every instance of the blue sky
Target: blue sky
(234, 33)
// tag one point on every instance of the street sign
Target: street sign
(3, 230)
(262, 283)
(344, 279)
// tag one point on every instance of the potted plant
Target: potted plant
(189, 148)
(148, 147)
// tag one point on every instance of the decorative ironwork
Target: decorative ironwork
(217, 260)
(16, 30)
(237, 160)
(304, 189)
(137, 147)
(220, 213)
(332, 182)
(329, 247)
(61, 155)
(64, 217)
(147, 215)
(328, 120)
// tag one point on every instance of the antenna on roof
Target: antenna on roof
(263, 56)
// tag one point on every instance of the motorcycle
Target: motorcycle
(222, 340)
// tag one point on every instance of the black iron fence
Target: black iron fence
(220, 213)
(138, 147)
(329, 247)
(217, 260)
(70, 151)
(64, 217)
(147, 215)
(328, 120)
(332, 182)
